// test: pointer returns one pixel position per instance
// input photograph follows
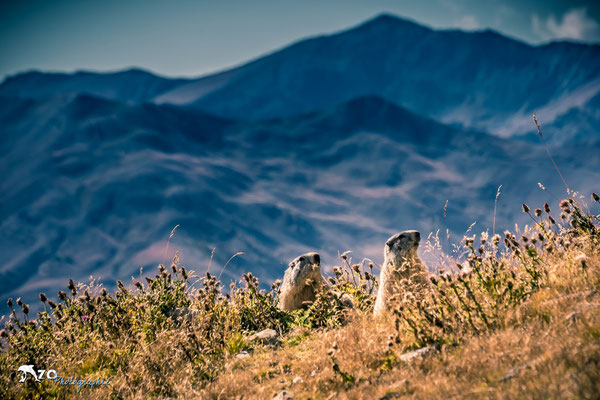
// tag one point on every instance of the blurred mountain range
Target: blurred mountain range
(331, 144)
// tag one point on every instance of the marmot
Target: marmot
(401, 267)
(301, 282)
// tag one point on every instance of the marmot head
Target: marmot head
(403, 244)
(304, 266)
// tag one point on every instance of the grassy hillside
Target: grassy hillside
(515, 315)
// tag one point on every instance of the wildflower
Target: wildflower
(595, 197)
(469, 241)
(582, 259)
(484, 237)
(85, 317)
(525, 208)
(496, 239)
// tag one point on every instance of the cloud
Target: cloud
(468, 23)
(574, 24)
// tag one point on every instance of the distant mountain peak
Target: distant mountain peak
(391, 21)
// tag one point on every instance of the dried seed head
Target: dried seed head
(564, 204)
(62, 295)
(138, 284)
(71, 285)
(19, 302)
(356, 268)
(25, 308)
(43, 298)
(595, 197)
(546, 207)
(537, 212)
(525, 208)
(552, 221)
(51, 304)
(9, 303)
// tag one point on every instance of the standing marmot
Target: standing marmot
(401, 267)
(301, 282)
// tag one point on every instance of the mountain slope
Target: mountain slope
(478, 79)
(475, 78)
(95, 186)
(129, 85)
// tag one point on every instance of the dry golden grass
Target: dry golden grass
(551, 344)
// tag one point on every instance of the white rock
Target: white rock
(422, 352)
(267, 336)
(284, 395)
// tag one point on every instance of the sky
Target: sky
(191, 38)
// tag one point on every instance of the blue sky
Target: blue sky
(197, 37)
